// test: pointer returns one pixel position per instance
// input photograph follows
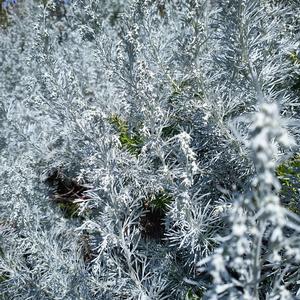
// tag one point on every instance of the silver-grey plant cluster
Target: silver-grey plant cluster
(139, 141)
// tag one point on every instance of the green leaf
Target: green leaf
(288, 174)
(194, 295)
(161, 200)
(133, 142)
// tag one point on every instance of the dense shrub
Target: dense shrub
(143, 146)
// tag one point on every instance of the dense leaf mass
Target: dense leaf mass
(149, 149)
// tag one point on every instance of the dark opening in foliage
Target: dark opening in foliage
(152, 222)
(65, 191)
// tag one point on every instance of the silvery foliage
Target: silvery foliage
(200, 82)
(258, 258)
